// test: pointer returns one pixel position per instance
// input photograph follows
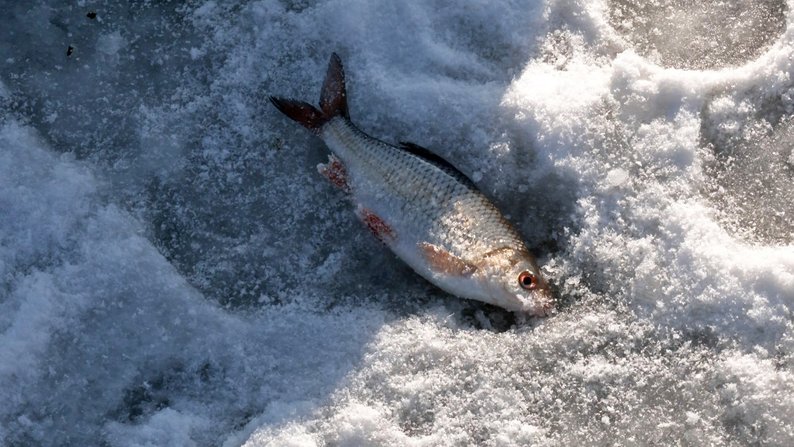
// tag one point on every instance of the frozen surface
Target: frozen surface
(174, 272)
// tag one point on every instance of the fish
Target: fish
(428, 212)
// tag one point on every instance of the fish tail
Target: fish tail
(302, 112)
(333, 100)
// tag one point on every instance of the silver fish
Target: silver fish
(423, 208)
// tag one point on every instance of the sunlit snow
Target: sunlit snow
(173, 270)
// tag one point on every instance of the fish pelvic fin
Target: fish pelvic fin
(333, 100)
(382, 230)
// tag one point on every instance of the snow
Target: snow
(174, 272)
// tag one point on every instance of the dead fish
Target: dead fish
(423, 208)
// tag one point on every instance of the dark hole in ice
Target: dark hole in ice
(699, 35)
(69, 50)
(91, 15)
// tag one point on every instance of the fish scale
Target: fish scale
(436, 206)
(425, 210)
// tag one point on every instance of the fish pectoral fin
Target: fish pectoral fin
(442, 261)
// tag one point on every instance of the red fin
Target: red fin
(333, 100)
(333, 97)
(442, 261)
(300, 111)
(376, 225)
(335, 172)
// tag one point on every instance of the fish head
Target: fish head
(514, 282)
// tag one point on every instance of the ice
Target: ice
(699, 35)
(617, 177)
(98, 325)
(110, 44)
(174, 272)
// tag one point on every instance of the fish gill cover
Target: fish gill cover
(174, 272)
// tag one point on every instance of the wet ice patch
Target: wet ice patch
(699, 35)
(748, 150)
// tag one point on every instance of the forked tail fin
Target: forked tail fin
(333, 100)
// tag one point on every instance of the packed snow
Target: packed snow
(173, 270)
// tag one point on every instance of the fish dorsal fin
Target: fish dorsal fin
(435, 159)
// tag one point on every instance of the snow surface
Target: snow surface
(174, 272)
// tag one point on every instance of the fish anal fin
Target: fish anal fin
(335, 172)
(442, 261)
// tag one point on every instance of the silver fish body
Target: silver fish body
(429, 213)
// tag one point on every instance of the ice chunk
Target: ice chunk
(617, 177)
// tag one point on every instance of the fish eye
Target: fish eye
(527, 280)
